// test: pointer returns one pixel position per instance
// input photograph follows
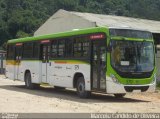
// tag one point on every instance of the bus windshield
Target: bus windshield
(132, 56)
(129, 33)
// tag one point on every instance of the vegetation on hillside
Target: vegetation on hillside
(20, 18)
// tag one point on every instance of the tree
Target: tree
(20, 18)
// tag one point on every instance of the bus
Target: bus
(100, 59)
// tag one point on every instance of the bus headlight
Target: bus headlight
(114, 79)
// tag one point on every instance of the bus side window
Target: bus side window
(81, 47)
(69, 48)
(77, 48)
(54, 49)
(35, 50)
(28, 50)
(85, 46)
(61, 48)
(10, 52)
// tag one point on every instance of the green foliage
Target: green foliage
(20, 18)
(21, 34)
(4, 46)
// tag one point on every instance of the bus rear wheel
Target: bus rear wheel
(81, 88)
(119, 95)
(28, 82)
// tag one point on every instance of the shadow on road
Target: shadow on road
(69, 95)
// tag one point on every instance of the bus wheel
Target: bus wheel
(28, 82)
(119, 95)
(59, 88)
(81, 88)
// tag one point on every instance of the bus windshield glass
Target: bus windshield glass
(130, 33)
(132, 56)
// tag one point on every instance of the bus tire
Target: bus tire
(59, 88)
(81, 88)
(28, 81)
(119, 95)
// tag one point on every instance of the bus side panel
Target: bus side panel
(20, 71)
(62, 74)
(33, 67)
(10, 71)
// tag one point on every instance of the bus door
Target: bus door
(98, 67)
(45, 53)
(18, 56)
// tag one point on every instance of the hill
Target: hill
(20, 18)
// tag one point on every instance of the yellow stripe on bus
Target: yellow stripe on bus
(69, 62)
(12, 62)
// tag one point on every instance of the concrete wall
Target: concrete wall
(158, 64)
(158, 67)
(156, 37)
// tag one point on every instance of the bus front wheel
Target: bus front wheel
(119, 95)
(81, 88)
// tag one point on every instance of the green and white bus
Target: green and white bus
(99, 59)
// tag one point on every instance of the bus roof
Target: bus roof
(57, 35)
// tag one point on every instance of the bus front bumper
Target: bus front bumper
(116, 88)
